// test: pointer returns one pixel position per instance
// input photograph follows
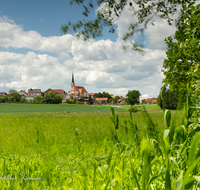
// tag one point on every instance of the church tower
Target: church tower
(72, 83)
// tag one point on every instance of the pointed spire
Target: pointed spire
(72, 78)
(72, 83)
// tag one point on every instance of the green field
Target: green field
(41, 108)
(30, 108)
(85, 150)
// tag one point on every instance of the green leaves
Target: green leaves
(167, 117)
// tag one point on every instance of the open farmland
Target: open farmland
(84, 150)
(30, 108)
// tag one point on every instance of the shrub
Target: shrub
(23, 100)
(74, 101)
(133, 109)
(68, 101)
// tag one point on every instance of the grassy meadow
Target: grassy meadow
(31, 108)
(79, 150)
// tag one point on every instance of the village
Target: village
(79, 93)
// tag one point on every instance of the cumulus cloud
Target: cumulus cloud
(13, 35)
(102, 64)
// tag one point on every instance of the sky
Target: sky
(35, 54)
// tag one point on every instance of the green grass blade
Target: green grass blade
(167, 117)
(193, 149)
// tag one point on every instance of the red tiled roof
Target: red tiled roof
(59, 91)
(119, 100)
(99, 99)
(80, 89)
(148, 99)
(24, 91)
(92, 94)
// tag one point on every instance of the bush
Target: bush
(3, 99)
(68, 101)
(133, 109)
(74, 101)
(23, 100)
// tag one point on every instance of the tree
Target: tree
(110, 10)
(104, 95)
(47, 99)
(73, 100)
(170, 100)
(38, 99)
(183, 60)
(13, 95)
(132, 97)
(115, 99)
(57, 99)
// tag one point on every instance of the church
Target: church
(77, 91)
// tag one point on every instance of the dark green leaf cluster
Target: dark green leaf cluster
(133, 97)
(52, 98)
(182, 63)
(104, 95)
(170, 100)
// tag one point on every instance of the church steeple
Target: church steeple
(72, 83)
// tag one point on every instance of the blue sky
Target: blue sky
(35, 54)
(45, 16)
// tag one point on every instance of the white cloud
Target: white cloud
(102, 64)
(12, 35)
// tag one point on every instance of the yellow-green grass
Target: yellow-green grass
(63, 150)
(140, 106)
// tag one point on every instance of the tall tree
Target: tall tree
(133, 97)
(110, 10)
(183, 60)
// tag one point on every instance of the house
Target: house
(121, 101)
(92, 95)
(149, 101)
(77, 91)
(102, 100)
(3, 94)
(34, 92)
(23, 93)
(56, 91)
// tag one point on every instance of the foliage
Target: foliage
(143, 13)
(133, 109)
(104, 95)
(47, 99)
(3, 99)
(23, 100)
(133, 97)
(73, 100)
(182, 63)
(13, 95)
(52, 98)
(78, 102)
(38, 99)
(68, 101)
(115, 99)
(57, 99)
(170, 100)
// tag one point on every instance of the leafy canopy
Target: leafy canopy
(132, 97)
(111, 10)
(182, 63)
